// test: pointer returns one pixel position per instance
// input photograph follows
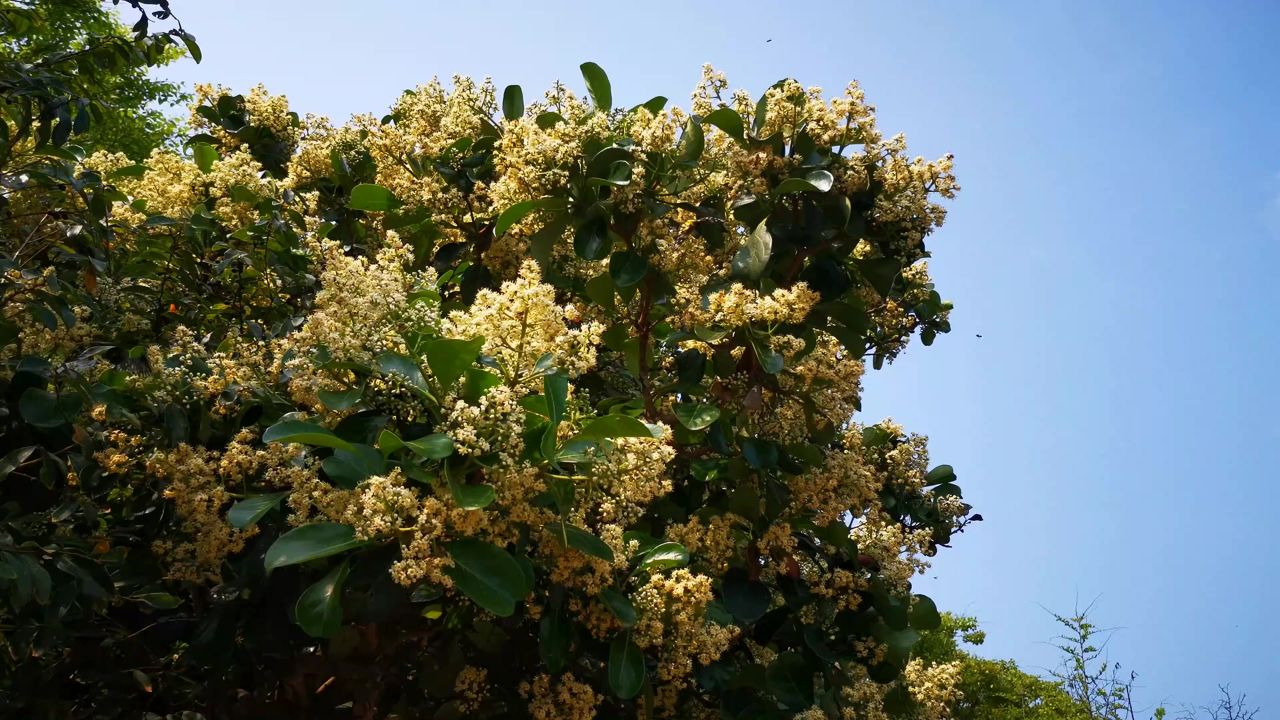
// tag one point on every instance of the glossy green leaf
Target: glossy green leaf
(924, 614)
(520, 210)
(591, 240)
(435, 446)
(43, 409)
(14, 458)
(340, 399)
(305, 433)
(472, 497)
(615, 426)
(626, 667)
(814, 181)
(193, 49)
(405, 367)
(512, 102)
(319, 607)
(597, 86)
(449, 359)
(664, 555)
(693, 142)
(555, 389)
(627, 268)
(790, 680)
(310, 542)
(249, 511)
(487, 574)
(389, 442)
(555, 635)
(620, 605)
(204, 155)
(582, 540)
(750, 260)
(728, 120)
(548, 119)
(372, 198)
(939, 475)
(348, 468)
(748, 600)
(880, 273)
(697, 416)
(654, 104)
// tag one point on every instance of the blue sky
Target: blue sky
(1114, 245)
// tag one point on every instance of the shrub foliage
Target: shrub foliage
(485, 408)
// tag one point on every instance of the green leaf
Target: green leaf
(790, 680)
(555, 388)
(487, 574)
(591, 241)
(653, 104)
(697, 416)
(520, 210)
(192, 48)
(620, 605)
(747, 599)
(548, 119)
(340, 400)
(759, 453)
(615, 426)
(43, 409)
(449, 359)
(753, 256)
(13, 459)
(555, 635)
(626, 667)
(305, 433)
(664, 555)
(311, 542)
(597, 86)
(250, 510)
(512, 102)
(728, 120)
(880, 273)
(435, 446)
(477, 383)
(319, 607)
(627, 268)
(692, 143)
(601, 291)
(924, 614)
(389, 442)
(205, 156)
(348, 468)
(372, 198)
(582, 540)
(472, 497)
(406, 367)
(814, 181)
(158, 600)
(771, 361)
(939, 475)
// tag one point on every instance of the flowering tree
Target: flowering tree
(480, 409)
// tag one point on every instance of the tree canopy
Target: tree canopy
(484, 408)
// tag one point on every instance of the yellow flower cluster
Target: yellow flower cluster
(263, 110)
(564, 698)
(736, 306)
(522, 322)
(471, 685)
(933, 687)
(673, 623)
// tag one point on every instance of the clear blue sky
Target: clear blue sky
(1115, 244)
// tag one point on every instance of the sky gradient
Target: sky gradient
(1112, 244)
